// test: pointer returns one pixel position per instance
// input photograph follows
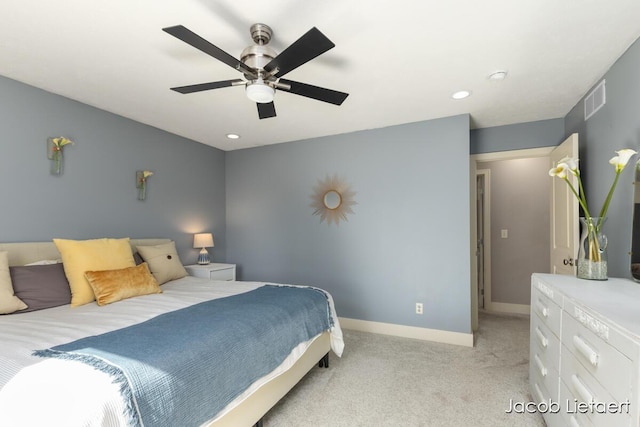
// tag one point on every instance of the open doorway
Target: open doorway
(514, 243)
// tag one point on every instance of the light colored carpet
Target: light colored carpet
(389, 381)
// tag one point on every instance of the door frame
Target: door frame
(485, 157)
(486, 216)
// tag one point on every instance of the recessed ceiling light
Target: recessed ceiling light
(461, 94)
(233, 136)
(498, 75)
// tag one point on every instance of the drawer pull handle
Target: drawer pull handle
(543, 340)
(540, 365)
(582, 390)
(574, 422)
(584, 349)
(544, 311)
(539, 393)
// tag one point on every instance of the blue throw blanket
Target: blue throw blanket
(181, 368)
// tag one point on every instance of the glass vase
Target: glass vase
(141, 185)
(592, 254)
(57, 162)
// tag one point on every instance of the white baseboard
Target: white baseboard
(425, 334)
(503, 307)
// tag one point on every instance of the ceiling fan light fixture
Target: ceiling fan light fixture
(260, 92)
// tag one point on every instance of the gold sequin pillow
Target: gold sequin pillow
(115, 285)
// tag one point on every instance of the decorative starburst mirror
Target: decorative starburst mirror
(332, 199)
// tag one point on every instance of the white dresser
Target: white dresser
(584, 358)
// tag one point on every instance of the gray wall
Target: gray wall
(615, 126)
(543, 133)
(407, 241)
(520, 197)
(96, 195)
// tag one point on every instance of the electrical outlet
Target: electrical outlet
(419, 308)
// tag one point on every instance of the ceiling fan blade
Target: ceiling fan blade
(198, 42)
(266, 110)
(315, 92)
(206, 86)
(307, 47)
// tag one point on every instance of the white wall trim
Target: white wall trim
(425, 334)
(513, 154)
(487, 236)
(504, 307)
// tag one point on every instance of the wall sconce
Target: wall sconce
(203, 240)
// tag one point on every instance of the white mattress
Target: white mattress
(27, 380)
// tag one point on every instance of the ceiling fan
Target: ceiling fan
(263, 68)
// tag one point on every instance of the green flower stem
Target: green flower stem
(605, 207)
(582, 193)
(581, 200)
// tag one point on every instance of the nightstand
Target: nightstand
(213, 271)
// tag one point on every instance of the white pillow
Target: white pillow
(8, 301)
(163, 261)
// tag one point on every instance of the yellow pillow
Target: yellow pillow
(115, 285)
(79, 256)
(163, 261)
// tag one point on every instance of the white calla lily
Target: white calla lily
(621, 160)
(560, 170)
(572, 164)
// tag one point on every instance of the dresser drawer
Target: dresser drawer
(606, 364)
(546, 309)
(544, 344)
(573, 418)
(576, 386)
(549, 291)
(539, 393)
(545, 376)
(622, 342)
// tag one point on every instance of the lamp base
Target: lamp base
(203, 257)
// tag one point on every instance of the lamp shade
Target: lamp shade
(203, 240)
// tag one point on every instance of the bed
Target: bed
(37, 390)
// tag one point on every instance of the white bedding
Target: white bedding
(76, 393)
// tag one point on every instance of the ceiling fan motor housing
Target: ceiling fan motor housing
(257, 57)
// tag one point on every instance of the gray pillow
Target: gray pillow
(40, 286)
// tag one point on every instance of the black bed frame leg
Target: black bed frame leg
(324, 362)
(259, 423)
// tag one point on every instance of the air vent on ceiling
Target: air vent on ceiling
(595, 100)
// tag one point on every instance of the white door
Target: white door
(564, 213)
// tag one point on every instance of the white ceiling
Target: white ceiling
(400, 61)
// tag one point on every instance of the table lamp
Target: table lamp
(203, 240)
